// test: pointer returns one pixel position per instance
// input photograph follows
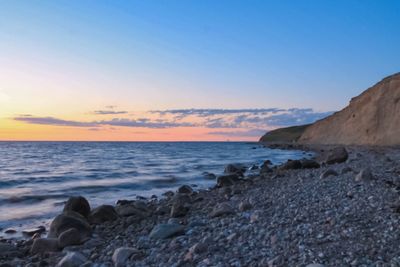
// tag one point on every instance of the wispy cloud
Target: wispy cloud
(109, 112)
(54, 121)
(255, 121)
(248, 133)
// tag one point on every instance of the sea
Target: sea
(36, 178)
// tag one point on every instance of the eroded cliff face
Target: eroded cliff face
(372, 118)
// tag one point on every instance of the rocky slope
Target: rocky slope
(372, 118)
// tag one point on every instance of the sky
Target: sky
(209, 70)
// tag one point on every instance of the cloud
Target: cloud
(249, 119)
(54, 121)
(213, 112)
(248, 133)
(109, 112)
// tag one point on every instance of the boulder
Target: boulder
(179, 210)
(291, 165)
(70, 237)
(209, 176)
(68, 220)
(222, 210)
(129, 210)
(122, 255)
(364, 175)
(309, 164)
(78, 204)
(265, 169)
(103, 214)
(235, 168)
(227, 180)
(337, 155)
(185, 189)
(328, 172)
(72, 259)
(42, 245)
(163, 231)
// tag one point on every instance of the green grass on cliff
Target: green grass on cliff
(284, 135)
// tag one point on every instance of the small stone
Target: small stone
(221, 210)
(129, 210)
(364, 175)
(209, 176)
(235, 168)
(163, 231)
(198, 248)
(72, 259)
(255, 217)
(346, 170)
(315, 265)
(10, 231)
(327, 173)
(122, 255)
(245, 205)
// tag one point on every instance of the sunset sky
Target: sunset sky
(186, 70)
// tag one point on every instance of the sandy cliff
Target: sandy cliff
(372, 118)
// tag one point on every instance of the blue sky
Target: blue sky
(159, 55)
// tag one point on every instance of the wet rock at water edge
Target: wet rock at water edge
(10, 231)
(103, 214)
(337, 155)
(72, 259)
(309, 164)
(33, 231)
(209, 176)
(185, 189)
(227, 180)
(68, 220)
(78, 204)
(235, 169)
(291, 165)
(163, 231)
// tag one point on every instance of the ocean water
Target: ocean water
(36, 178)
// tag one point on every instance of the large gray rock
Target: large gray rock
(122, 255)
(42, 245)
(163, 231)
(309, 164)
(70, 237)
(129, 210)
(337, 155)
(103, 214)
(78, 204)
(185, 189)
(68, 220)
(72, 259)
(235, 168)
(291, 165)
(227, 180)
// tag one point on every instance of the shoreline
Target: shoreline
(283, 217)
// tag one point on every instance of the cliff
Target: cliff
(372, 118)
